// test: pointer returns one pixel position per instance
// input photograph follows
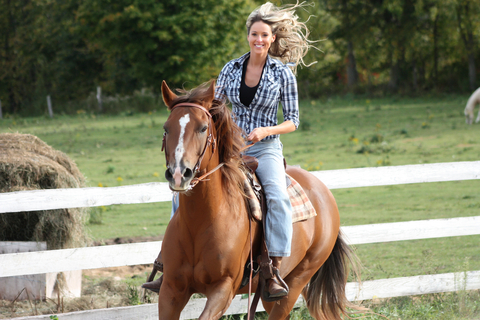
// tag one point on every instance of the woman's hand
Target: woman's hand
(258, 134)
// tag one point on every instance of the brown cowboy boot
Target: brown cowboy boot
(275, 287)
(155, 285)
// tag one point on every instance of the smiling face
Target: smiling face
(260, 38)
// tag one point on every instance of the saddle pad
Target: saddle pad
(302, 208)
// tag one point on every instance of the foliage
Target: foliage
(42, 55)
(66, 48)
(402, 46)
(150, 41)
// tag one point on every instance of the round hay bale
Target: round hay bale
(28, 163)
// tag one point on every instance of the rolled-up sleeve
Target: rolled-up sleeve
(220, 83)
(289, 98)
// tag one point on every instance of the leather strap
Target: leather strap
(193, 105)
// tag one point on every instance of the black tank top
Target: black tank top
(247, 93)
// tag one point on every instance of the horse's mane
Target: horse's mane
(228, 135)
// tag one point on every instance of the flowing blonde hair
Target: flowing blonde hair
(292, 43)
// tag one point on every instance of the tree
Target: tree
(467, 12)
(177, 41)
(42, 55)
(15, 62)
(347, 12)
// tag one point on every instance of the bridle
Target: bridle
(211, 141)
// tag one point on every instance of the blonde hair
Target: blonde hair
(291, 43)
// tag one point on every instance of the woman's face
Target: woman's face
(260, 38)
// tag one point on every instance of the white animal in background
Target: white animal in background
(471, 103)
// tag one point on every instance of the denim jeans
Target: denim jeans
(271, 173)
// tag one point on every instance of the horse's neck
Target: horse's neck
(205, 199)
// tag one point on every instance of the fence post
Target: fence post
(1, 115)
(49, 104)
(99, 98)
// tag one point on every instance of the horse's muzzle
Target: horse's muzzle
(179, 178)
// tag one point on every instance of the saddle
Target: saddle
(302, 208)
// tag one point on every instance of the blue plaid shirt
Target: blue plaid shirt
(278, 84)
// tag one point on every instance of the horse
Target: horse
(209, 239)
(470, 107)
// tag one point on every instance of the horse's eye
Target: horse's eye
(204, 128)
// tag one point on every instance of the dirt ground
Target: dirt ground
(101, 288)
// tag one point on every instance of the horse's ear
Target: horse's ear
(210, 95)
(168, 95)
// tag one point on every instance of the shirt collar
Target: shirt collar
(271, 62)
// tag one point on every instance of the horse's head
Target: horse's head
(468, 116)
(188, 134)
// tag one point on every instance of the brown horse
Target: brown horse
(207, 242)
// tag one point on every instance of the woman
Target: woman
(255, 84)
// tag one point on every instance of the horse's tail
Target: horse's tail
(325, 294)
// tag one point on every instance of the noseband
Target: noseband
(210, 139)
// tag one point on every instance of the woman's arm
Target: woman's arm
(259, 134)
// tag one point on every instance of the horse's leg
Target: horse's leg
(171, 302)
(296, 281)
(268, 306)
(219, 299)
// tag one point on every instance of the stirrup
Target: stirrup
(154, 285)
(279, 281)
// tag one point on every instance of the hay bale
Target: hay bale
(28, 163)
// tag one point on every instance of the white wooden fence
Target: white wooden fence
(143, 253)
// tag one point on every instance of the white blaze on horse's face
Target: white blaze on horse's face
(180, 150)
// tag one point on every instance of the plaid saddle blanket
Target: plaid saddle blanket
(302, 208)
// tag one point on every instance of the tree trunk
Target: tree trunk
(466, 34)
(9, 60)
(472, 74)
(352, 74)
(435, 50)
(394, 73)
(415, 75)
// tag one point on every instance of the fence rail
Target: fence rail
(385, 288)
(159, 191)
(15, 264)
(142, 253)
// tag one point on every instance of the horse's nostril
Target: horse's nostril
(168, 175)
(188, 173)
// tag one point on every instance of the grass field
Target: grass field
(334, 134)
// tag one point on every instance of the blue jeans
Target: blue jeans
(271, 173)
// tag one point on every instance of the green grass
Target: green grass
(334, 134)
(442, 306)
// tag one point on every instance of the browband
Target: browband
(194, 105)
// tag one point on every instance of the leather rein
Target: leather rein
(211, 141)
